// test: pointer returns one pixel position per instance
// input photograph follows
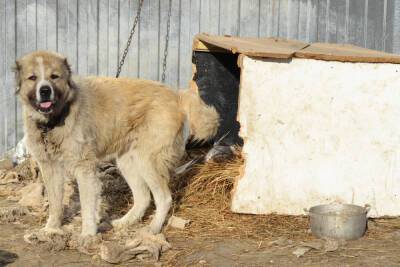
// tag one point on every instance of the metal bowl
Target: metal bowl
(339, 221)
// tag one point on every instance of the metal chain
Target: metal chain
(128, 43)
(164, 66)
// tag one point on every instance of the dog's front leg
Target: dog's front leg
(53, 177)
(89, 194)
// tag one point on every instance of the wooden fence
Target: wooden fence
(92, 33)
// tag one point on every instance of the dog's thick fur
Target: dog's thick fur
(142, 124)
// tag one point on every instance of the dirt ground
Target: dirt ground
(193, 247)
(214, 237)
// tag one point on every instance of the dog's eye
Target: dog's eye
(32, 78)
(54, 76)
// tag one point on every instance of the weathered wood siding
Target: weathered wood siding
(92, 33)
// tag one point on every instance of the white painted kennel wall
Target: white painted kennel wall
(317, 132)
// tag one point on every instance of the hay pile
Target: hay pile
(208, 182)
(203, 195)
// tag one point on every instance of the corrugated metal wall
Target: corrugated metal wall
(92, 34)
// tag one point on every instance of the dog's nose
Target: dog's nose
(45, 91)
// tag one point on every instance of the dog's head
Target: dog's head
(44, 83)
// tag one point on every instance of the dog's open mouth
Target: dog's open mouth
(45, 107)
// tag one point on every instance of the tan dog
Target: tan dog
(72, 123)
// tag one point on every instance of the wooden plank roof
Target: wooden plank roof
(285, 49)
(346, 53)
(260, 47)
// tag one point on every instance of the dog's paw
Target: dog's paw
(123, 223)
(119, 224)
(88, 244)
(52, 231)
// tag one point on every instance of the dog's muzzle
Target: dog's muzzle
(45, 99)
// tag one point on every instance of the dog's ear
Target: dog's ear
(68, 67)
(71, 83)
(17, 71)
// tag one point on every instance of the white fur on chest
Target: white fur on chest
(57, 144)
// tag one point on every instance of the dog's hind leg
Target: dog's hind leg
(89, 193)
(155, 172)
(53, 177)
(129, 166)
(158, 185)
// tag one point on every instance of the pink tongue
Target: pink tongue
(45, 104)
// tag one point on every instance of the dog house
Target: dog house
(319, 123)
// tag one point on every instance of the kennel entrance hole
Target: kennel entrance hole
(217, 77)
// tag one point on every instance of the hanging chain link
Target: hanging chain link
(164, 64)
(128, 43)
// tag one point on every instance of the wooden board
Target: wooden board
(9, 102)
(148, 43)
(83, 18)
(260, 47)
(285, 49)
(346, 53)
(229, 14)
(206, 47)
(249, 13)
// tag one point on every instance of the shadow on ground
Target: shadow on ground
(7, 257)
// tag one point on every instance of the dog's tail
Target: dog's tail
(203, 119)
